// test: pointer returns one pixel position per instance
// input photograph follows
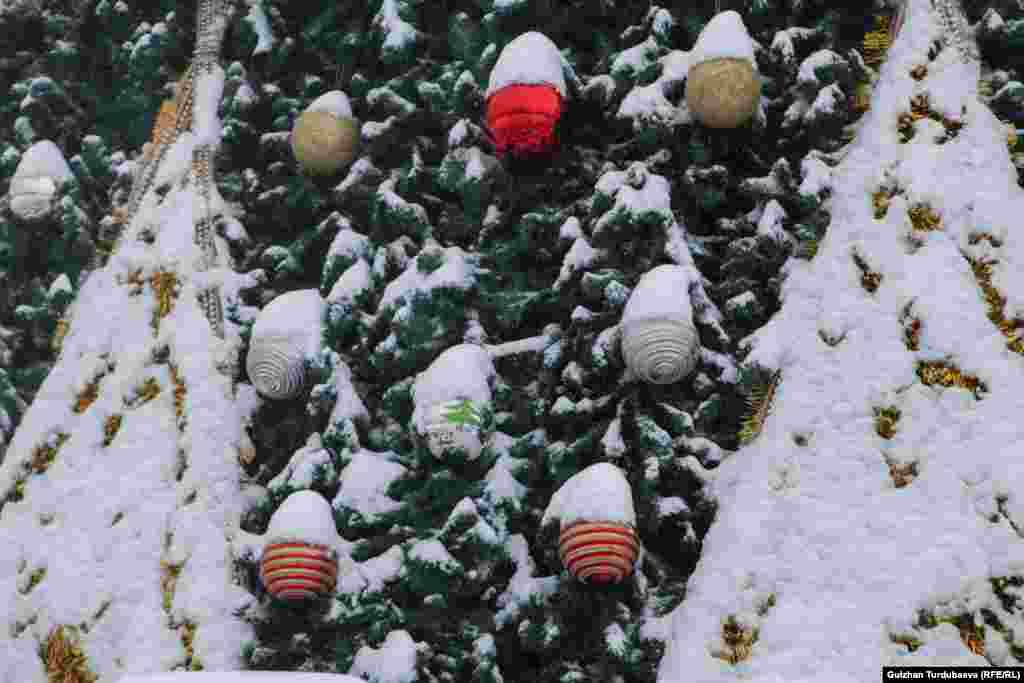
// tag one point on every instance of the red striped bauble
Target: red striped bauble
(298, 571)
(599, 552)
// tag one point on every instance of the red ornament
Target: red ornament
(298, 571)
(521, 119)
(601, 552)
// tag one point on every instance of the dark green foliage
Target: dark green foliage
(435, 321)
(428, 499)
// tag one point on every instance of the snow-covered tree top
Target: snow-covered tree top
(292, 313)
(529, 59)
(662, 292)
(463, 371)
(43, 159)
(333, 102)
(599, 493)
(725, 36)
(304, 516)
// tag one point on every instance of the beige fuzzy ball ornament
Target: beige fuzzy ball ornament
(326, 136)
(723, 88)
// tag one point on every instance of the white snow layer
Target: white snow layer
(333, 102)
(663, 292)
(393, 662)
(86, 542)
(260, 24)
(529, 59)
(724, 37)
(457, 271)
(304, 516)
(817, 536)
(293, 317)
(600, 493)
(365, 481)
(37, 178)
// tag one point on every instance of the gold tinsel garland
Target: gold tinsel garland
(877, 42)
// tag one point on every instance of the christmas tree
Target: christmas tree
(464, 332)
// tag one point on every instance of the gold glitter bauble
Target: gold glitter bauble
(723, 93)
(324, 143)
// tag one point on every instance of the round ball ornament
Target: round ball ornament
(323, 144)
(723, 89)
(300, 559)
(285, 333)
(660, 343)
(723, 93)
(326, 136)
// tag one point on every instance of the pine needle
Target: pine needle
(738, 640)
(164, 284)
(945, 375)
(902, 473)
(168, 582)
(869, 279)
(44, 455)
(188, 635)
(924, 218)
(885, 421)
(179, 392)
(880, 200)
(759, 405)
(911, 329)
(150, 389)
(1013, 330)
(110, 428)
(808, 249)
(87, 397)
(63, 658)
(59, 332)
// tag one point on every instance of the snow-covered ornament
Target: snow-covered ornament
(326, 136)
(451, 397)
(723, 88)
(286, 332)
(36, 180)
(525, 96)
(597, 542)
(300, 559)
(660, 344)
